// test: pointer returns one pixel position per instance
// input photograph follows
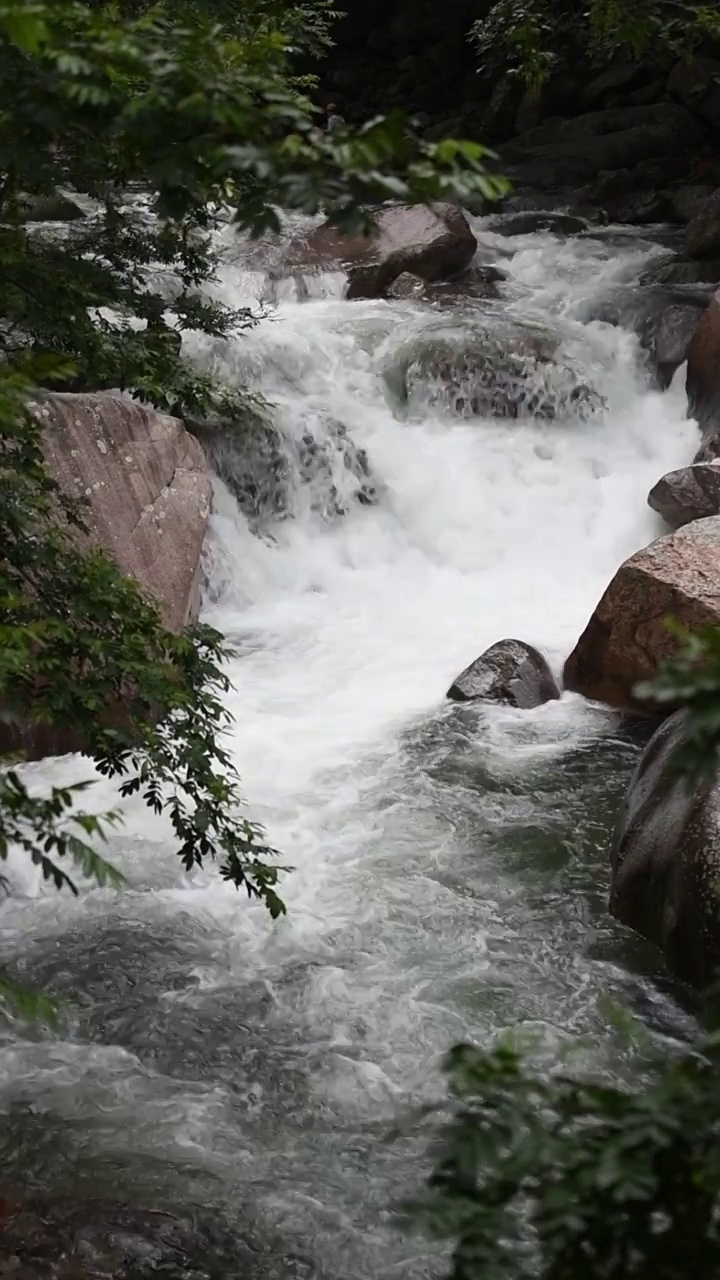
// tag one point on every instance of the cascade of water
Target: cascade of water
(449, 865)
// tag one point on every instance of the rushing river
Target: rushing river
(449, 866)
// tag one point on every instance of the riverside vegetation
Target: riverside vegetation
(551, 1175)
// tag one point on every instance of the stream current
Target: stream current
(449, 865)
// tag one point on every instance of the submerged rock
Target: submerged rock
(627, 638)
(510, 672)
(271, 473)
(666, 860)
(497, 369)
(690, 493)
(429, 241)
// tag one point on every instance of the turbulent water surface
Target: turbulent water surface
(449, 866)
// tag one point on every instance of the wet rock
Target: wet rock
(682, 271)
(626, 639)
(498, 369)
(670, 339)
(665, 860)
(406, 288)
(45, 1237)
(527, 223)
(510, 672)
(272, 474)
(703, 233)
(145, 480)
(433, 242)
(664, 319)
(703, 374)
(690, 493)
(50, 208)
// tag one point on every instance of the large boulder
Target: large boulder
(666, 860)
(429, 241)
(703, 371)
(147, 489)
(496, 368)
(627, 638)
(703, 232)
(510, 672)
(690, 493)
(48, 208)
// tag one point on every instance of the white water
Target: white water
(449, 869)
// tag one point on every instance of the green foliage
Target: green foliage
(530, 39)
(561, 1177)
(692, 680)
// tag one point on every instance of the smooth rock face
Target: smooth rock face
(703, 373)
(703, 233)
(429, 241)
(510, 672)
(666, 860)
(691, 493)
(626, 639)
(144, 477)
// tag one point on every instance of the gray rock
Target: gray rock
(272, 474)
(703, 233)
(703, 374)
(510, 672)
(497, 369)
(682, 271)
(406, 287)
(665, 860)
(690, 493)
(672, 335)
(433, 242)
(51, 208)
(527, 223)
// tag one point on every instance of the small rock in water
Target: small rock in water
(510, 672)
(690, 493)
(525, 224)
